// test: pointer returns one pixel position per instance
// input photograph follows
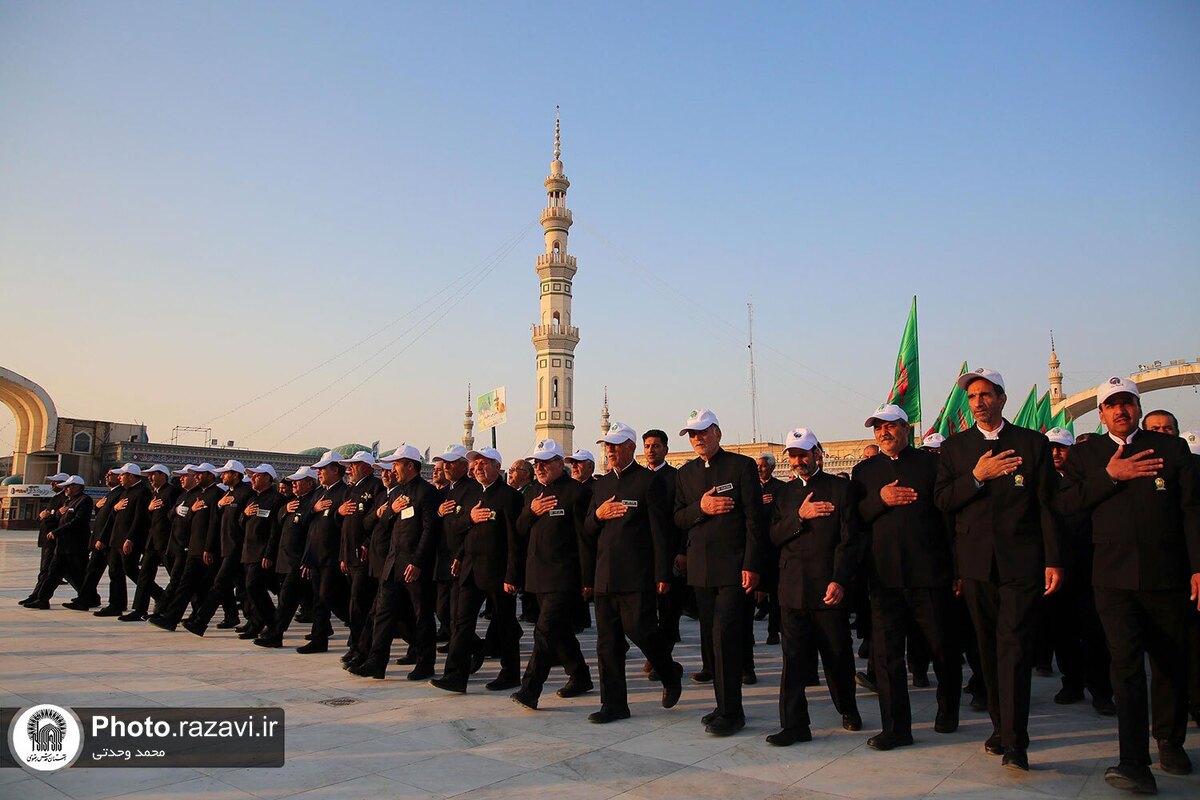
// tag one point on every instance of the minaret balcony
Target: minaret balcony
(555, 336)
(557, 214)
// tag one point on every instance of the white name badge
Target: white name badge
(725, 487)
(263, 513)
(181, 510)
(408, 513)
(558, 512)
(630, 503)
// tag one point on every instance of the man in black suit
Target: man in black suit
(814, 523)
(626, 560)
(47, 521)
(262, 514)
(97, 546)
(996, 481)
(455, 513)
(285, 553)
(130, 526)
(69, 539)
(158, 541)
(362, 492)
(1140, 490)
(322, 558)
(768, 605)
(719, 509)
(670, 605)
(223, 550)
(1193, 441)
(198, 571)
(910, 574)
(378, 545)
(550, 526)
(488, 560)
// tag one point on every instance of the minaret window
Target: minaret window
(555, 322)
(554, 393)
(541, 392)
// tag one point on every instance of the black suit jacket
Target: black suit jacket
(1010, 520)
(490, 553)
(50, 521)
(132, 523)
(414, 531)
(161, 518)
(906, 546)
(720, 547)
(257, 530)
(551, 541)
(102, 522)
(205, 521)
(632, 553)
(465, 494)
(181, 521)
(231, 523)
(815, 552)
(71, 534)
(1146, 531)
(289, 538)
(380, 541)
(325, 528)
(357, 527)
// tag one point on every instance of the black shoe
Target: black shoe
(978, 702)
(673, 688)
(132, 616)
(1066, 697)
(725, 726)
(40, 605)
(1132, 778)
(709, 717)
(992, 746)
(501, 683)
(476, 663)
(228, 622)
(1015, 758)
(159, 622)
(447, 686)
(269, 640)
(250, 634)
(1104, 707)
(605, 715)
(26, 601)
(369, 669)
(865, 681)
(889, 741)
(703, 676)
(852, 722)
(524, 699)
(749, 678)
(920, 680)
(315, 646)
(575, 687)
(354, 663)
(194, 628)
(945, 723)
(789, 736)
(773, 638)
(406, 660)
(108, 611)
(245, 626)
(1173, 759)
(420, 673)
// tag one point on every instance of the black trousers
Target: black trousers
(554, 642)
(804, 633)
(1194, 662)
(293, 590)
(260, 609)
(629, 614)
(1004, 616)
(464, 642)
(1078, 639)
(723, 636)
(147, 585)
(47, 558)
(1136, 625)
(363, 589)
(670, 610)
(444, 616)
(896, 612)
(68, 564)
(229, 574)
(331, 597)
(405, 610)
(97, 564)
(192, 585)
(121, 568)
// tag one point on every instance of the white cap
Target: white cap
(1193, 441)
(1061, 436)
(232, 466)
(581, 455)
(800, 439)
(888, 412)
(453, 453)
(186, 469)
(486, 452)
(618, 433)
(988, 375)
(547, 449)
(699, 421)
(302, 473)
(361, 457)
(129, 469)
(330, 457)
(933, 441)
(206, 467)
(161, 468)
(264, 469)
(1115, 385)
(71, 480)
(403, 451)
(57, 477)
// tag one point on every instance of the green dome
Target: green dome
(351, 449)
(313, 451)
(12, 480)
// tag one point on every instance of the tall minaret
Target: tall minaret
(468, 439)
(604, 430)
(553, 336)
(1056, 392)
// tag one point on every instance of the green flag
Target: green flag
(956, 414)
(1027, 416)
(1063, 420)
(906, 387)
(939, 421)
(1043, 414)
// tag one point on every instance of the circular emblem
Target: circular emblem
(1114, 381)
(46, 737)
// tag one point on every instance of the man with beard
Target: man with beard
(814, 523)
(996, 481)
(199, 568)
(1161, 421)
(261, 515)
(47, 521)
(406, 596)
(97, 546)
(719, 509)
(158, 542)
(910, 574)
(285, 552)
(550, 525)
(363, 491)
(68, 540)
(130, 524)
(320, 564)
(1140, 491)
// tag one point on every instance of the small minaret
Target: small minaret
(604, 429)
(468, 439)
(1056, 392)
(554, 337)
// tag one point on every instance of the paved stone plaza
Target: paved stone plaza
(402, 740)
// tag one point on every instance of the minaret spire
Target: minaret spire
(604, 429)
(1056, 391)
(468, 438)
(557, 140)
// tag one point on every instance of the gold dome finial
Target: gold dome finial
(557, 148)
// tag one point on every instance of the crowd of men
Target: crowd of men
(1000, 544)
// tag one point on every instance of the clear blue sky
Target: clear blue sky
(208, 200)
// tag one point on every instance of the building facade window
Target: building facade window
(81, 442)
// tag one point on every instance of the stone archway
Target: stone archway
(37, 418)
(1168, 377)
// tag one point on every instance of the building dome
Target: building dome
(316, 452)
(12, 480)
